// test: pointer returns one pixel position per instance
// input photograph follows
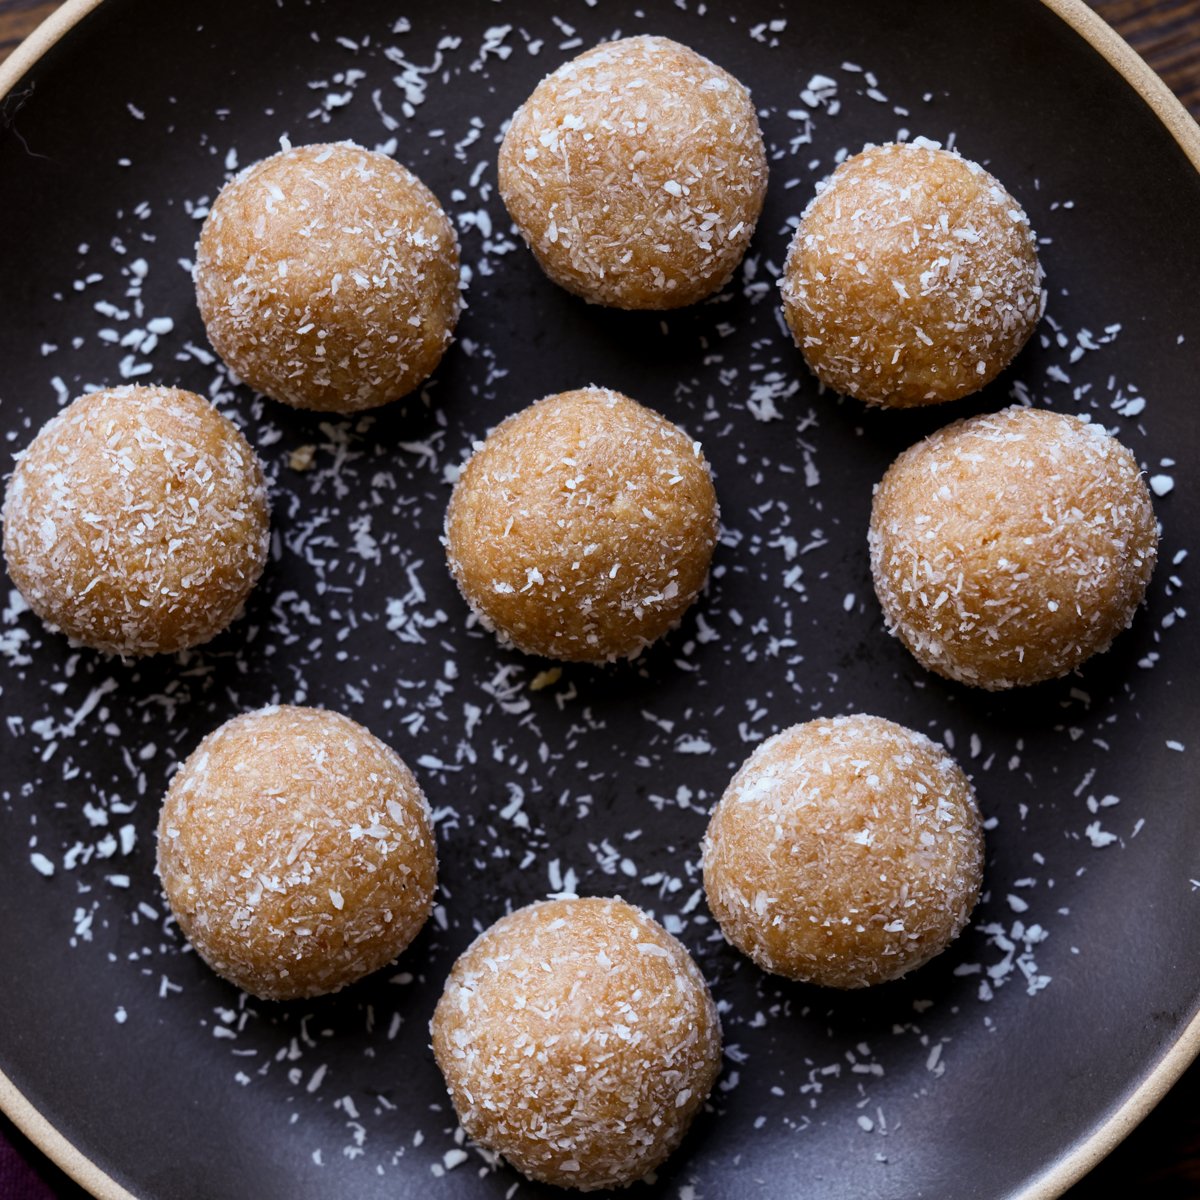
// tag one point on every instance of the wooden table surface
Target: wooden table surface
(1161, 1158)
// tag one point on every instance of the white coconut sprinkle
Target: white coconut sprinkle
(483, 711)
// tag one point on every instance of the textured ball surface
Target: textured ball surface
(327, 277)
(636, 173)
(583, 527)
(844, 853)
(913, 277)
(578, 1039)
(297, 852)
(137, 521)
(1009, 548)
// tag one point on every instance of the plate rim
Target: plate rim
(1078, 1160)
(53, 1144)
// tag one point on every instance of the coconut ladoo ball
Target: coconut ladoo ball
(327, 277)
(636, 173)
(913, 277)
(583, 527)
(578, 1039)
(296, 851)
(844, 852)
(1008, 548)
(137, 521)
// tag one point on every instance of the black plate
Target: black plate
(177, 1086)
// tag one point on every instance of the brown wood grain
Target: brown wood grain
(1161, 1159)
(1166, 33)
(18, 19)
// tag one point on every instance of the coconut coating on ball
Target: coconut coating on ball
(578, 1039)
(845, 852)
(297, 852)
(137, 521)
(636, 173)
(913, 277)
(1008, 548)
(583, 527)
(327, 277)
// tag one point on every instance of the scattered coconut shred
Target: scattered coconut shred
(358, 506)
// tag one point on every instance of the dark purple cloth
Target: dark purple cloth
(26, 1173)
(18, 1180)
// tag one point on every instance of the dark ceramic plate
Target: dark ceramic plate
(997, 1070)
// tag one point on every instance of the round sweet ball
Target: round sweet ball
(636, 173)
(1008, 548)
(578, 1039)
(297, 852)
(913, 277)
(844, 853)
(137, 521)
(583, 527)
(327, 277)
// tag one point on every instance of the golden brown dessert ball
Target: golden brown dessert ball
(327, 277)
(297, 852)
(636, 173)
(844, 853)
(1009, 548)
(583, 528)
(137, 521)
(578, 1039)
(913, 277)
